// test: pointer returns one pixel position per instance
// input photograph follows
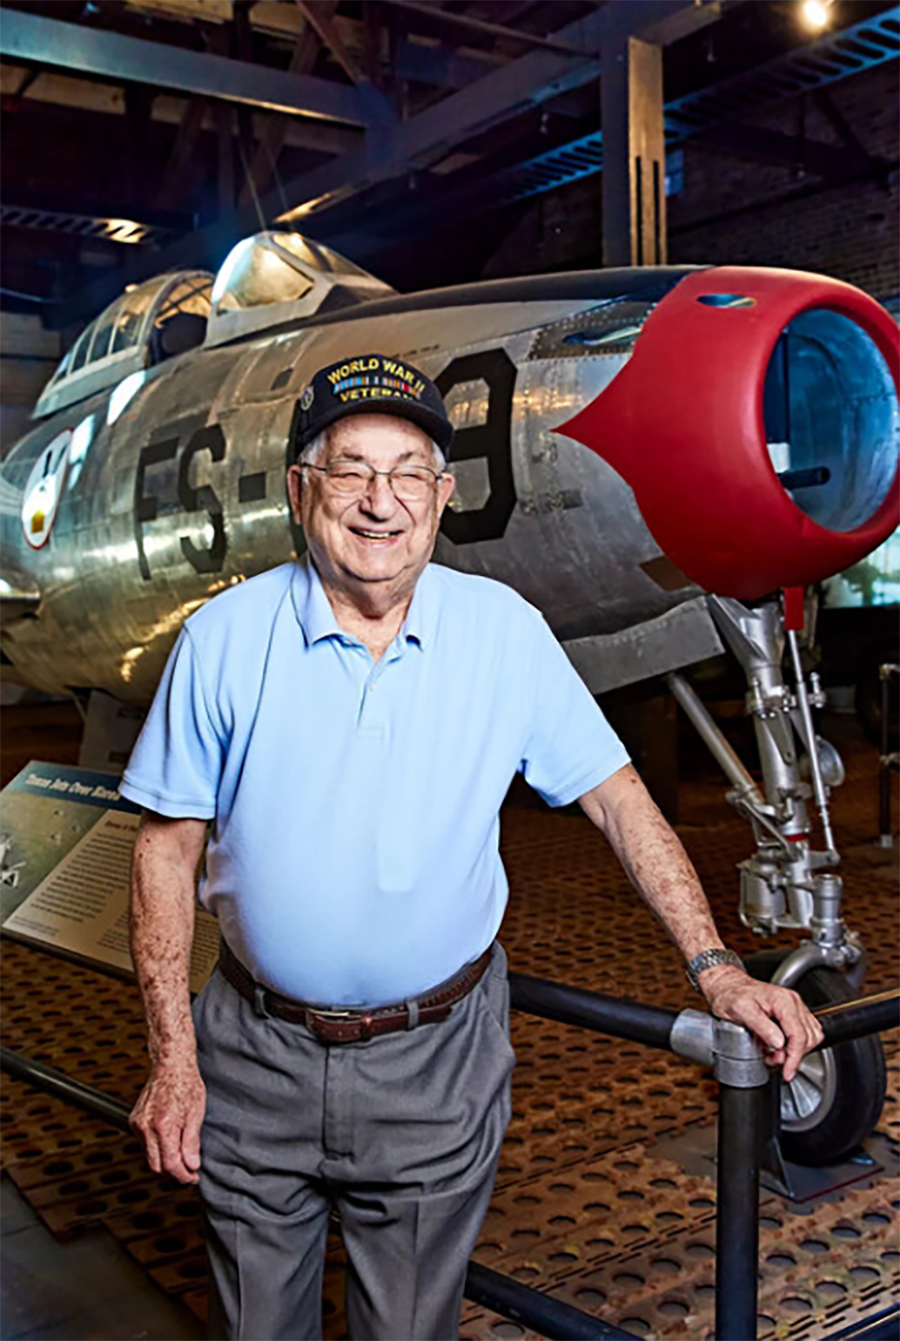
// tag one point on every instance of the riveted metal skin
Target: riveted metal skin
(120, 539)
(182, 494)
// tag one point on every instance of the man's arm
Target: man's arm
(169, 1113)
(660, 870)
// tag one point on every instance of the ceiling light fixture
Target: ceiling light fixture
(816, 15)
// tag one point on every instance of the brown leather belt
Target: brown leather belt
(354, 1024)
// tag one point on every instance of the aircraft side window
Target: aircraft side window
(130, 318)
(126, 331)
(103, 334)
(191, 295)
(181, 322)
(80, 352)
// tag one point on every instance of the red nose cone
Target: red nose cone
(684, 424)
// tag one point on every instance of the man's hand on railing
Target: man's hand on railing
(776, 1015)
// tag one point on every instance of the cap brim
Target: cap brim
(437, 428)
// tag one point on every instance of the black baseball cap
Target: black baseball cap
(371, 384)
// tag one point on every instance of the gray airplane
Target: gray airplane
(662, 460)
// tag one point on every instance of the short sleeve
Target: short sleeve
(572, 747)
(176, 764)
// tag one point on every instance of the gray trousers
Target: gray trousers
(401, 1133)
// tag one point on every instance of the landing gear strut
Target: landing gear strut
(836, 1098)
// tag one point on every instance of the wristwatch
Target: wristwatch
(710, 959)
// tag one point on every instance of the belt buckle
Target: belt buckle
(365, 1021)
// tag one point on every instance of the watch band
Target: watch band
(710, 959)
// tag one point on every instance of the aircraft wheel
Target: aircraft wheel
(835, 1100)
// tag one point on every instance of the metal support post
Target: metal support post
(64, 1087)
(634, 154)
(773, 1169)
(855, 1019)
(815, 767)
(885, 837)
(881, 1326)
(539, 1312)
(714, 740)
(887, 760)
(614, 1015)
(737, 1226)
(743, 1078)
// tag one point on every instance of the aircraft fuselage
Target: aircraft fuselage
(184, 493)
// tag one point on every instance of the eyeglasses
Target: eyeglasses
(410, 484)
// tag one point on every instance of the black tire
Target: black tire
(850, 1078)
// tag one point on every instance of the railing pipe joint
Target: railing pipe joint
(692, 1036)
(738, 1058)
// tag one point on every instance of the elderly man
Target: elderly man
(350, 723)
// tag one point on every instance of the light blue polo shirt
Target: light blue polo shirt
(354, 858)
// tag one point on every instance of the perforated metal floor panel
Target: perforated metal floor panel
(588, 1204)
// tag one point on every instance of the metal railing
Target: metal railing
(739, 1068)
(889, 759)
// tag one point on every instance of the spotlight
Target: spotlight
(816, 14)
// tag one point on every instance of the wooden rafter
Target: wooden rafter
(372, 32)
(79, 96)
(174, 181)
(272, 140)
(500, 11)
(479, 28)
(316, 16)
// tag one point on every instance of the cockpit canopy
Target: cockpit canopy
(151, 322)
(264, 280)
(275, 277)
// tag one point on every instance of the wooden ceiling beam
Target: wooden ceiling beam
(426, 60)
(178, 170)
(448, 18)
(33, 39)
(184, 11)
(317, 18)
(372, 42)
(276, 130)
(501, 11)
(83, 95)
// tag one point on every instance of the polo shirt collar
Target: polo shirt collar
(421, 617)
(311, 606)
(316, 617)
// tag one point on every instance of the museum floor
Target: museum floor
(606, 1192)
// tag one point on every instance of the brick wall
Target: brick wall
(759, 214)
(736, 212)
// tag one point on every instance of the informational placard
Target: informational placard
(66, 839)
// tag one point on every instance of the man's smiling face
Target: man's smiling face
(374, 537)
